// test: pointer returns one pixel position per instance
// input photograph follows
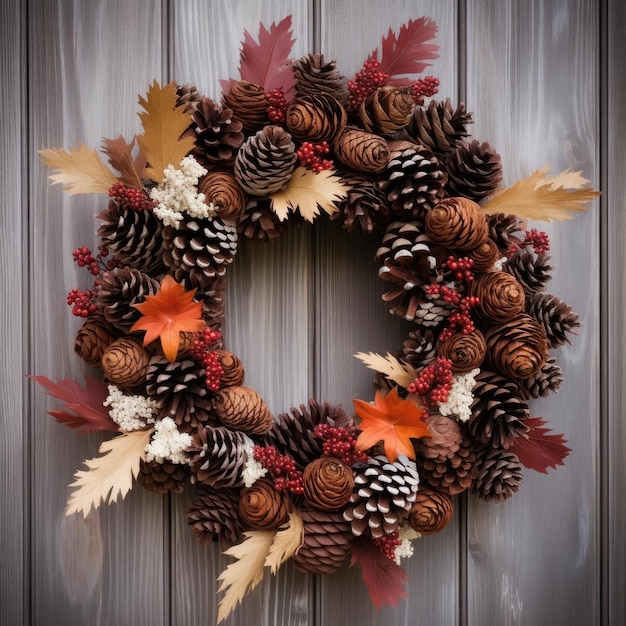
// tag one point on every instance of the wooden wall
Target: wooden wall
(546, 80)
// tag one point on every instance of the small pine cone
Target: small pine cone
(188, 97)
(444, 441)
(518, 348)
(547, 379)
(440, 127)
(92, 339)
(383, 495)
(414, 179)
(212, 295)
(327, 483)
(431, 511)
(218, 456)
(242, 408)
(260, 222)
(326, 542)
(314, 75)
(180, 392)
(266, 161)
(249, 104)
(457, 223)
(506, 231)
(484, 256)
(218, 134)
(499, 475)
(497, 411)
(474, 171)
(233, 375)
(262, 507)
(555, 316)
(315, 118)
(465, 351)
(292, 433)
(119, 290)
(222, 190)
(199, 249)
(162, 478)
(365, 206)
(133, 237)
(362, 151)
(125, 362)
(420, 348)
(387, 110)
(501, 296)
(214, 514)
(530, 269)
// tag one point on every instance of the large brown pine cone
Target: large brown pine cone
(465, 351)
(327, 483)
(420, 348)
(315, 118)
(431, 511)
(249, 104)
(222, 190)
(166, 477)
(531, 270)
(499, 475)
(555, 316)
(474, 171)
(506, 230)
(260, 222)
(387, 110)
(326, 542)
(92, 339)
(484, 256)
(314, 75)
(362, 151)
(547, 379)
(214, 514)
(501, 296)
(133, 237)
(242, 408)
(262, 507)
(125, 362)
(457, 223)
(365, 205)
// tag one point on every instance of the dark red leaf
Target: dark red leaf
(86, 402)
(383, 577)
(538, 449)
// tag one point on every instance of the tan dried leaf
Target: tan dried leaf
(80, 170)
(540, 197)
(120, 154)
(288, 539)
(110, 475)
(395, 370)
(308, 192)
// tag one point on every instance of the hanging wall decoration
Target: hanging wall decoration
(288, 141)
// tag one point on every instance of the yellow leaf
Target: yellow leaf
(540, 197)
(400, 373)
(109, 475)
(163, 124)
(308, 192)
(246, 572)
(80, 170)
(286, 542)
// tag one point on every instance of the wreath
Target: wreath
(289, 140)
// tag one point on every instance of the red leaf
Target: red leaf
(406, 53)
(87, 402)
(538, 449)
(383, 577)
(121, 157)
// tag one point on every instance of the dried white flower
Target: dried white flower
(406, 536)
(499, 264)
(460, 396)
(130, 412)
(252, 470)
(168, 443)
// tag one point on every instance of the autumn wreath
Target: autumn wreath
(292, 138)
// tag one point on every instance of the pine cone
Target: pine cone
(266, 161)
(315, 118)
(444, 441)
(223, 191)
(420, 349)
(362, 151)
(501, 296)
(314, 75)
(383, 495)
(499, 475)
(260, 222)
(188, 97)
(212, 295)
(125, 362)
(92, 339)
(439, 127)
(249, 104)
(465, 351)
(233, 375)
(556, 317)
(133, 237)
(218, 134)
(180, 392)
(327, 483)
(498, 411)
(484, 256)
(474, 171)
(162, 478)
(457, 223)
(387, 110)
(547, 379)
(214, 514)
(326, 542)
(242, 408)
(262, 507)
(199, 249)
(431, 511)
(506, 231)
(364, 206)
(517, 348)
(531, 270)
(414, 179)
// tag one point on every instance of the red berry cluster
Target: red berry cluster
(287, 477)
(130, 198)
(277, 105)
(340, 442)
(434, 382)
(84, 258)
(365, 82)
(387, 544)
(462, 268)
(82, 302)
(310, 157)
(424, 88)
(539, 240)
(202, 351)
(460, 320)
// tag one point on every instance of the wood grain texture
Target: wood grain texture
(532, 83)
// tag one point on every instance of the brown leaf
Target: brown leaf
(120, 154)
(287, 540)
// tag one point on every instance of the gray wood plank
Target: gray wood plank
(532, 83)
(88, 62)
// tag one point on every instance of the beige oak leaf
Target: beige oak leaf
(392, 368)
(288, 539)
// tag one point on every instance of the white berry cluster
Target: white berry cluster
(168, 443)
(130, 412)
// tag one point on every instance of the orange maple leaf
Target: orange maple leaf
(393, 420)
(167, 314)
